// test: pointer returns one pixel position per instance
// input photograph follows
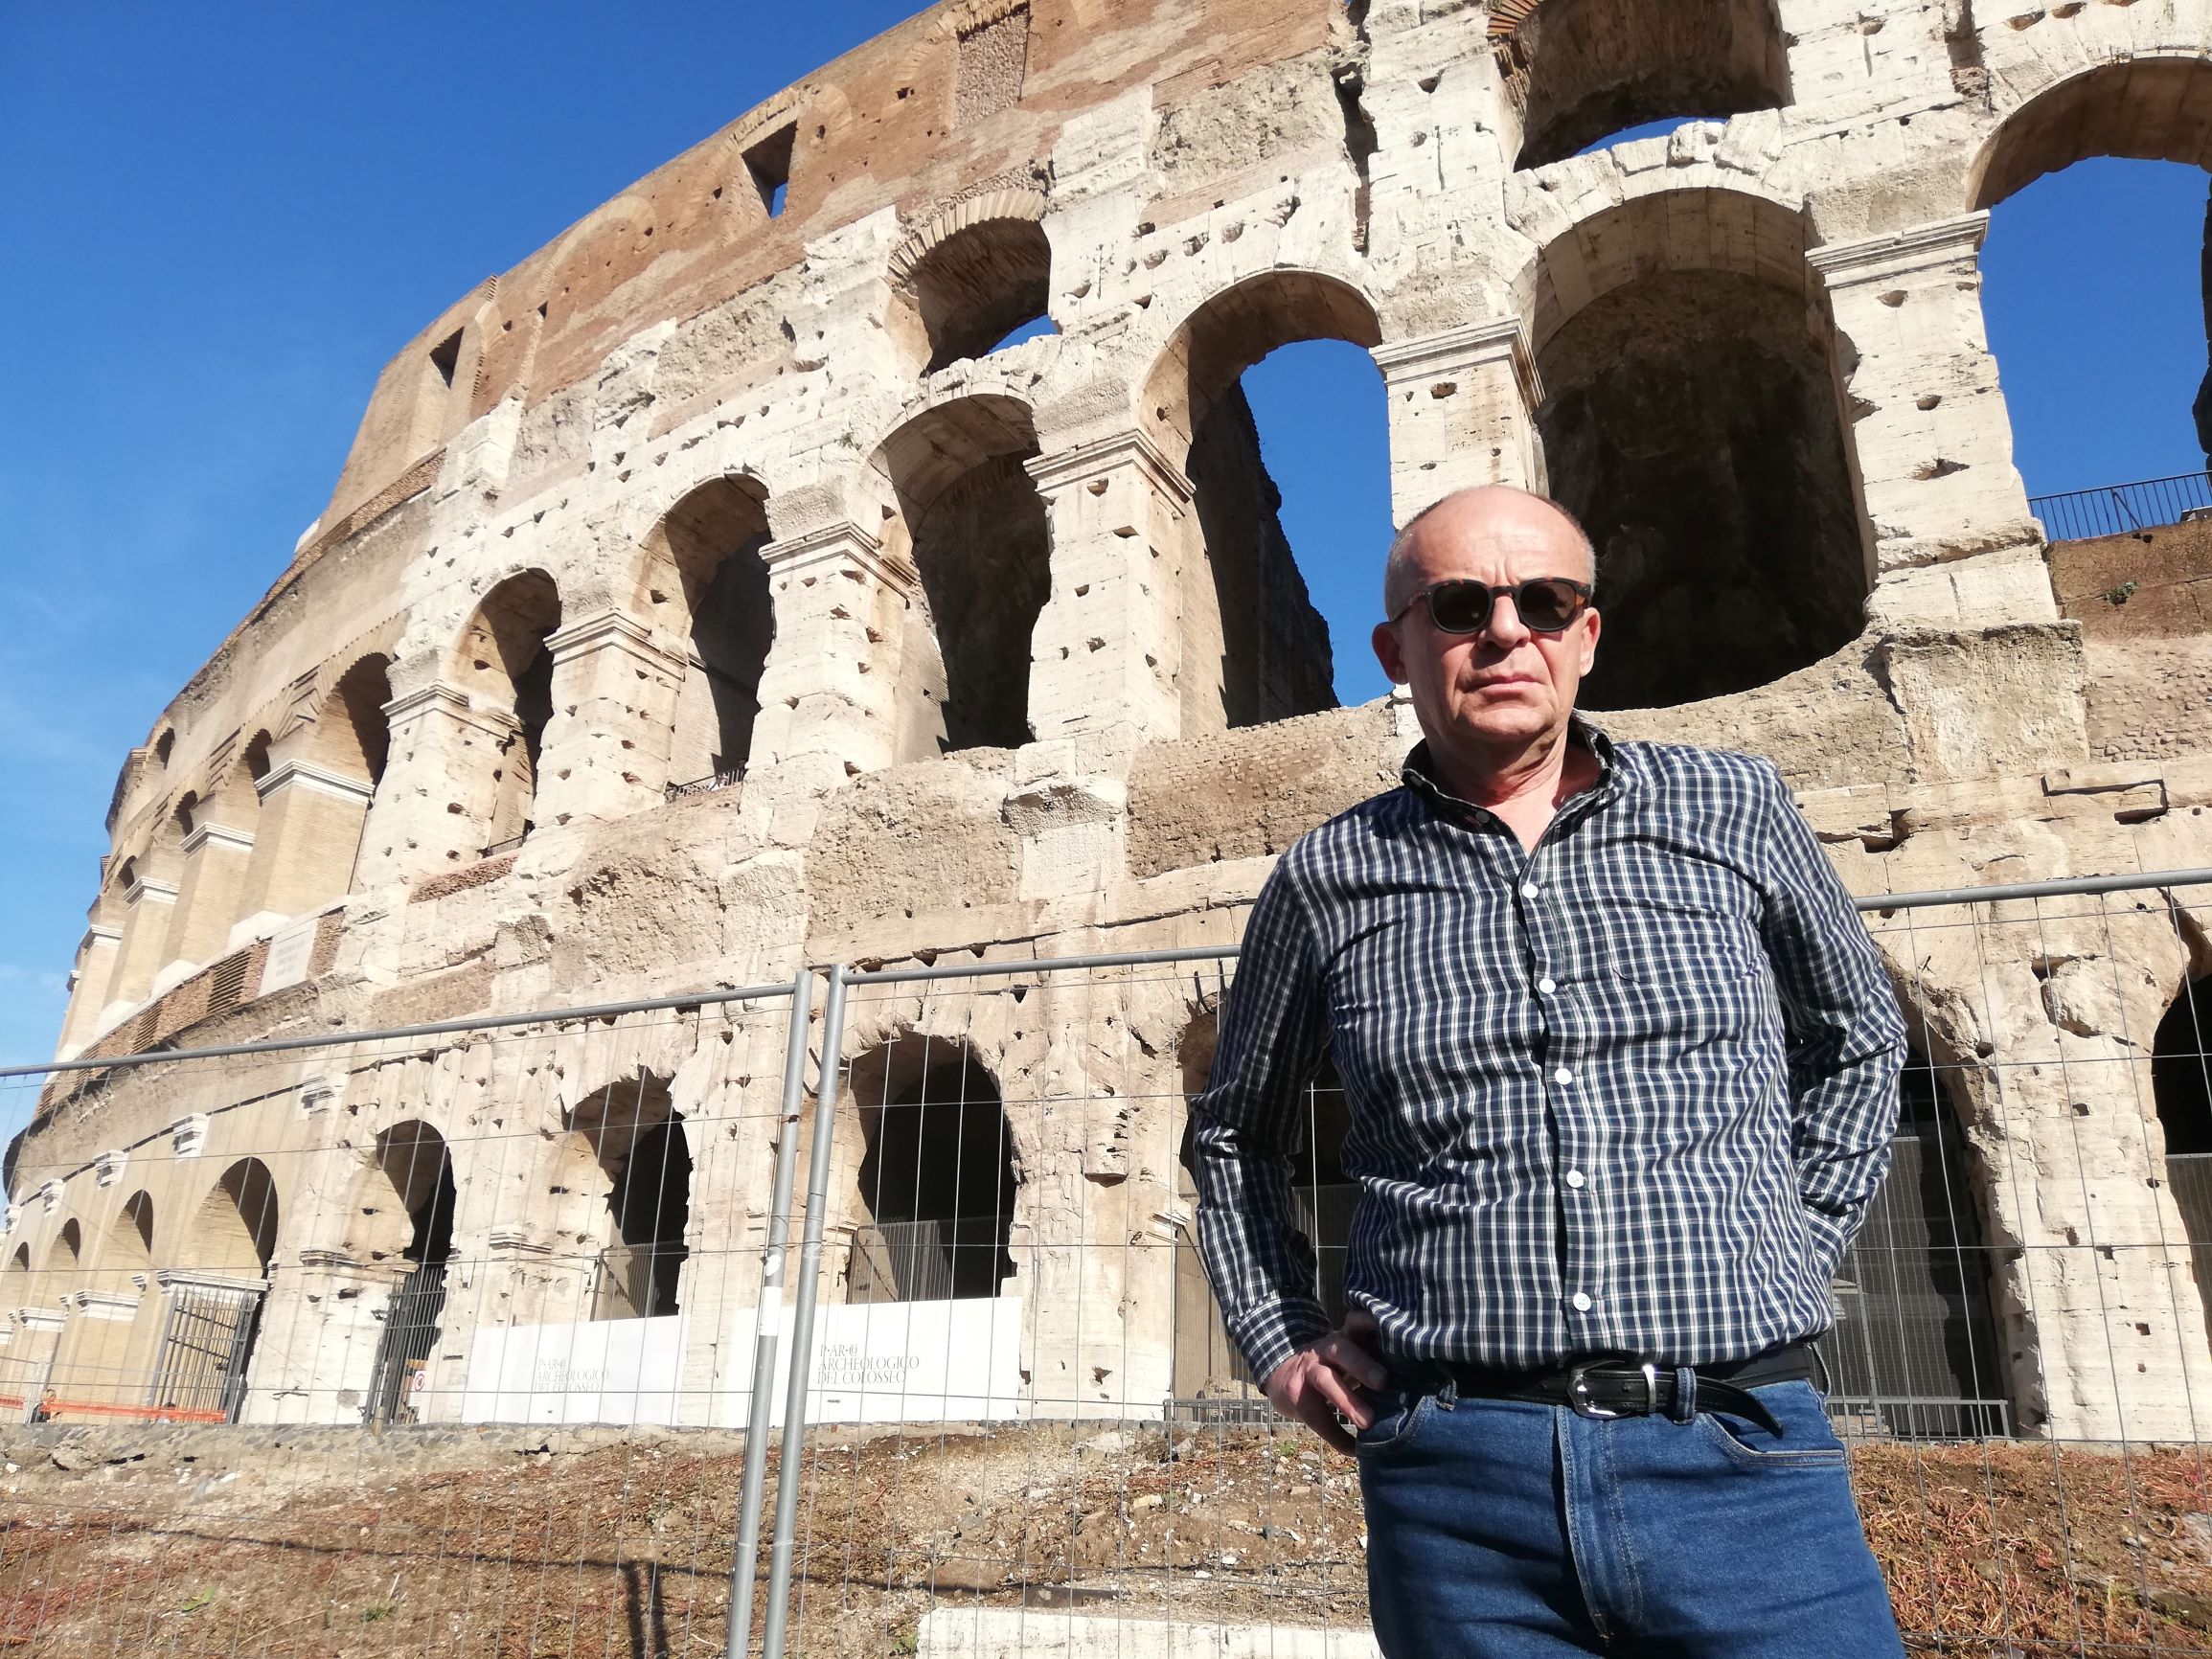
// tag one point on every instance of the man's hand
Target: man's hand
(1325, 1377)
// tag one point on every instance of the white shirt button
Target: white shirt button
(1529, 890)
(1582, 1302)
(1546, 986)
(1562, 1075)
(1576, 1178)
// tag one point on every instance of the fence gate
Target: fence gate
(411, 1325)
(205, 1343)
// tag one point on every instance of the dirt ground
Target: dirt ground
(519, 1545)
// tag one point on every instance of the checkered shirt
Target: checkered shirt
(1628, 1094)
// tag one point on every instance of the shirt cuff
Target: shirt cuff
(1273, 1332)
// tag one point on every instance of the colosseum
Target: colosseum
(715, 595)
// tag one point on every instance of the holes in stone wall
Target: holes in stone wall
(1577, 70)
(768, 164)
(1691, 422)
(445, 357)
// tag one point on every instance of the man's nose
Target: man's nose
(1504, 628)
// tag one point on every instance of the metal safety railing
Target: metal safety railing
(2120, 509)
(991, 1402)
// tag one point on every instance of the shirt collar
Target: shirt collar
(1420, 774)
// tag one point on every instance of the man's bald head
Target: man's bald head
(1488, 507)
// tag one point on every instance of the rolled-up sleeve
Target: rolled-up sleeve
(1846, 1037)
(1247, 1128)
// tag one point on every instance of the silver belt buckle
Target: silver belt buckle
(1578, 1391)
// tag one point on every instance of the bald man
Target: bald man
(1621, 1065)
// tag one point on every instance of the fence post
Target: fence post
(737, 1630)
(803, 1322)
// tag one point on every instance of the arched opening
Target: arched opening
(412, 1183)
(703, 563)
(234, 1230)
(936, 1178)
(63, 1260)
(1254, 647)
(163, 747)
(1577, 70)
(632, 1198)
(1689, 419)
(505, 668)
(963, 294)
(129, 1250)
(1915, 1340)
(2181, 1089)
(215, 1296)
(979, 533)
(355, 735)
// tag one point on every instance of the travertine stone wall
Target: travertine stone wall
(776, 350)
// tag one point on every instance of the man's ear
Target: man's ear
(1591, 639)
(1389, 654)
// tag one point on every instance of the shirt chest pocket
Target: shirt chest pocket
(1681, 971)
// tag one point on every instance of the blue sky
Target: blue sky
(226, 218)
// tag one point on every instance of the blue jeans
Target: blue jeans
(1510, 1529)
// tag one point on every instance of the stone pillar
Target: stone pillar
(93, 1365)
(321, 1326)
(38, 1336)
(830, 689)
(310, 831)
(209, 899)
(614, 698)
(145, 927)
(433, 807)
(88, 987)
(1108, 656)
(1462, 412)
(1949, 538)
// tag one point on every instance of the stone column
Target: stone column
(310, 831)
(93, 1364)
(1949, 538)
(31, 1355)
(433, 807)
(1108, 656)
(322, 1325)
(210, 898)
(88, 986)
(146, 926)
(614, 698)
(829, 690)
(1462, 412)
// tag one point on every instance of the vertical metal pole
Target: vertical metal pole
(803, 1321)
(738, 1631)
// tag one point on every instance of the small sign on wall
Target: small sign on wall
(291, 948)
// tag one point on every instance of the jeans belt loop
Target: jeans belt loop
(1686, 1394)
(1447, 1397)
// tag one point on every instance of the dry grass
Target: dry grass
(624, 1550)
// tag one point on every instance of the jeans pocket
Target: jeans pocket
(1398, 1420)
(1808, 1439)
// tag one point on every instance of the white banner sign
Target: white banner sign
(890, 1362)
(613, 1370)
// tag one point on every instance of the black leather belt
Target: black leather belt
(1610, 1386)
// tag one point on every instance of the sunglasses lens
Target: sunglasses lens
(1459, 608)
(1546, 606)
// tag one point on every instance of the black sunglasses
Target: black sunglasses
(1545, 604)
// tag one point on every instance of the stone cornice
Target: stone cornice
(221, 1283)
(146, 887)
(1847, 264)
(410, 704)
(606, 627)
(96, 934)
(1436, 357)
(40, 1318)
(104, 1304)
(222, 835)
(1135, 448)
(316, 780)
(837, 544)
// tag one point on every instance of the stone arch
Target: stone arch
(622, 1167)
(970, 276)
(66, 1254)
(1690, 419)
(970, 519)
(932, 1176)
(129, 1246)
(2181, 1094)
(703, 582)
(405, 1207)
(503, 664)
(1577, 70)
(1254, 648)
(352, 732)
(164, 745)
(2140, 108)
(233, 1232)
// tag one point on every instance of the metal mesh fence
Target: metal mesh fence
(446, 1342)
